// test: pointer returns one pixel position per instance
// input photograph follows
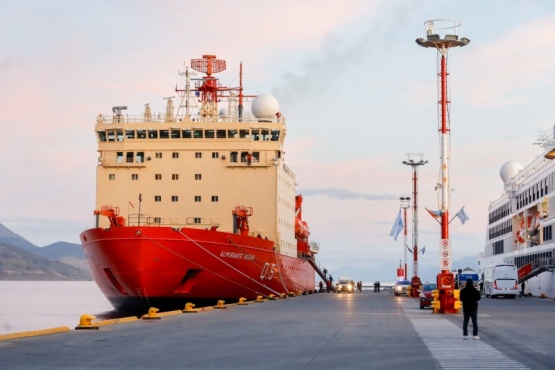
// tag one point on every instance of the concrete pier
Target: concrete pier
(323, 331)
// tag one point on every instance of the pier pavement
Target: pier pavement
(323, 331)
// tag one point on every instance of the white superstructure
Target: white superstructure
(521, 222)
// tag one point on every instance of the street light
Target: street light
(445, 281)
(414, 160)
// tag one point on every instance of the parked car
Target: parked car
(400, 287)
(426, 294)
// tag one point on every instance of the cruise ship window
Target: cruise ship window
(215, 155)
(129, 134)
(176, 134)
(175, 155)
(175, 198)
(134, 176)
(141, 134)
(158, 176)
(111, 176)
(197, 134)
(164, 134)
(209, 134)
(214, 198)
(157, 198)
(175, 176)
(220, 134)
(198, 155)
(198, 176)
(233, 156)
(157, 220)
(197, 220)
(187, 134)
(265, 134)
(244, 134)
(158, 155)
(197, 198)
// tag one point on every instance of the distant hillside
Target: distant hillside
(18, 264)
(63, 259)
(9, 237)
(59, 250)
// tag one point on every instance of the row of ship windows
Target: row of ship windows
(157, 176)
(501, 229)
(530, 258)
(254, 134)
(175, 198)
(499, 213)
(533, 193)
(139, 157)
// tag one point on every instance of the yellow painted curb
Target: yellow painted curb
(115, 321)
(169, 313)
(34, 333)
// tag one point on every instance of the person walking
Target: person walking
(469, 298)
(522, 286)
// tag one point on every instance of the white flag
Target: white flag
(462, 216)
(397, 226)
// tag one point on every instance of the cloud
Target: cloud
(344, 194)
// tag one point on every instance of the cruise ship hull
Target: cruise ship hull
(140, 267)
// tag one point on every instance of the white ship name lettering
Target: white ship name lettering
(239, 256)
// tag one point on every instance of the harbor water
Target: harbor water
(33, 305)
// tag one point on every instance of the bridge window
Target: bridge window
(198, 155)
(141, 134)
(209, 134)
(158, 176)
(175, 155)
(197, 134)
(215, 155)
(134, 176)
(175, 198)
(187, 134)
(158, 155)
(153, 134)
(220, 134)
(111, 176)
(175, 134)
(129, 134)
(197, 198)
(214, 198)
(198, 176)
(175, 176)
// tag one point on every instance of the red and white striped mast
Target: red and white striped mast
(442, 44)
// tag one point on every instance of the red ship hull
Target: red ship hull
(140, 267)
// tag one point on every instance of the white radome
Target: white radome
(265, 106)
(223, 112)
(509, 170)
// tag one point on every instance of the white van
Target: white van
(501, 280)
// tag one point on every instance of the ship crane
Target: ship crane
(113, 215)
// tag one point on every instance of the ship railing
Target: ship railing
(101, 119)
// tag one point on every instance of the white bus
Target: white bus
(501, 280)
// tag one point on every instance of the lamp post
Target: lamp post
(405, 203)
(442, 44)
(414, 160)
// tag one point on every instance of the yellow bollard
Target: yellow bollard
(151, 314)
(220, 305)
(272, 297)
(259, 298)
(242, 302)
(85, 322)
(189, 308)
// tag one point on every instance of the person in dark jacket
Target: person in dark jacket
(469, 298)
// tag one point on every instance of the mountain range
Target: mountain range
(22, 260)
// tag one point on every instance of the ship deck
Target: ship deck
(322, 331)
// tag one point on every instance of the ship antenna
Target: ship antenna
(241, 92)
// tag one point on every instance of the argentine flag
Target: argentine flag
(397, 226)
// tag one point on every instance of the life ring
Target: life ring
(519, 237)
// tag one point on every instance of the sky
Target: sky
(358, 94)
